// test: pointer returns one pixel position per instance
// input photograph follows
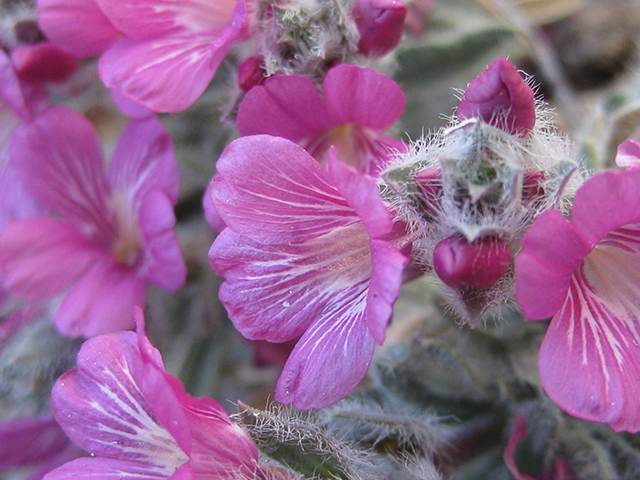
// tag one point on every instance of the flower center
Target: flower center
(128, 244)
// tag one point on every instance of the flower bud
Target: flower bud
(251, 73)
(44, 62)
(500, 96)
(480, 263)
(429, 182)
(380, 23)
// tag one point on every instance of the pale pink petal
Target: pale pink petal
(102, 301)
(362, 96)
(271, 190)
(605, 202)
(332, 357)
(15, 202)
(28, 440)
(287, 106)
(113, 469)
(103, 406)
(210, 213)
(11, 89)
(152, 18)
(274, 292)
(59, 159)
(628, 154)
(129, 107)
(590, 357)
(387, 266)
(144, 160)
(551, 249)
(42, 257)
(77, 26)
(165, 74)
(165, 265)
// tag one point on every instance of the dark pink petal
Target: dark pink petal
(104, 408)
(332, 357)
(271, 190)
(144, 160)
(59, 159)
(380, 24)
(251, 73)
(501, 97)
(44, 62)
(518, 433)
(164, 266)
(114, 469)
(362, 96)
(165, 74)
(42, 257)
(102, 301)
(287, 106)
(77, 26)
(274, 292)
(628, 154)
(143, 19)
(220, 449)
(606, 202)
(590, 357)
(551, 249)
(29, 440)
(387, 266)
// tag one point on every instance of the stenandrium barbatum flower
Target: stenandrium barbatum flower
(469, 192)
(584, 273)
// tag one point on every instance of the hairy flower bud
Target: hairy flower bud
(380, 23)
(500, 97)
(481, 263)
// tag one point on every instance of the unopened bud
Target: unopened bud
(500, 96)
(251, 72)
(429, 181)
(380, 23)
(480, 263)
(44, 62)
(532, 185)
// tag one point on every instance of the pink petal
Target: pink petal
(518, 433)
(103, 407)
(114, 469)
(77, 26)
(590, 357)
(271, 190)
(543, 268)
(165, 74)
(11, 93)
(28, 440)
(42, 257)
(501, 97)
(165, 265)
(102, 301)
(44, 62)
(387, 266)
(59, 160)
(605, 202)
(332, 357)
(144, 160)
(287, 106)
(152, 18)
(362, 96)
(380, 24)
(210, 213)
(220, 448)
(274, 292)
(129, 107)
(628, 154)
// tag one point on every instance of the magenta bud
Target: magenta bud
(251, 72)
(480, 263)
(429, 181)
(44, 62)
(532, 184)
(500, 97)
(380, 23)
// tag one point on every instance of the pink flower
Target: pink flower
(135, 419)
(380, 24)
(585, 273)
(157, 53)
(306, 252)
(357, 104)
(112, 233)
